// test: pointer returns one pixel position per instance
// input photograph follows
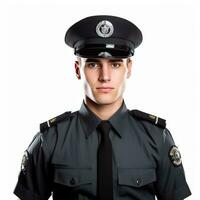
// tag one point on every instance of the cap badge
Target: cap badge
(104, 29)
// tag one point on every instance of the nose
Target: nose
(104, 74)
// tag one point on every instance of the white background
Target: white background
(39, 82)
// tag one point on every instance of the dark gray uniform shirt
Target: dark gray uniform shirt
(62, 160)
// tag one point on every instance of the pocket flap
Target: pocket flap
(136, 177)
(73, 177)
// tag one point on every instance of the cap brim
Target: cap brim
(104, 47)
(102, 52)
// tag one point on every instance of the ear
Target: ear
(129, 67)
(77, 69)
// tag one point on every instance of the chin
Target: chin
(104, 100)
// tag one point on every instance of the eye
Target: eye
(92, 65)
(116, 65)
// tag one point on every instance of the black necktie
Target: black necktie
(104, 163)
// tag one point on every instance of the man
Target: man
(103, 151)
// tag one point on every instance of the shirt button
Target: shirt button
(138, 181)
(72, 181)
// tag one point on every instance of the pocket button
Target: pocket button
(138, 181)
(72, 181)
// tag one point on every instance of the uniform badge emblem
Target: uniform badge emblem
(24, 161)
(175, 156)
(104, 29)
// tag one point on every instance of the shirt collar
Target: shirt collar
(89, 120)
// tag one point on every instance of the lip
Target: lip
(105, 89)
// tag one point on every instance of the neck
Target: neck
(103, 111)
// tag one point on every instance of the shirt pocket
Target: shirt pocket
(73, 181)
(131, 181)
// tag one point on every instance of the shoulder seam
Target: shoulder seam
(148, 117)
(53, 121)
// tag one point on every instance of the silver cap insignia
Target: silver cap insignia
(104, 29)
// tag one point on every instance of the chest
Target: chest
(75, 162)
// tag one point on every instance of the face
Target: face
(103, 79)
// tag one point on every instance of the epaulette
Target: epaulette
(148, 117)
(45, 125)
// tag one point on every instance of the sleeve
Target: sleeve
(171, 183)
(35, 177)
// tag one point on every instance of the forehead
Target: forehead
(103, 59)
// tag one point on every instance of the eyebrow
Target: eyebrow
(97, 60)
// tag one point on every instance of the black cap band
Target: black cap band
(103, 50)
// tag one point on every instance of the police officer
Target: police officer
(103, 151)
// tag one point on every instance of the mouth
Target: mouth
(105, 89)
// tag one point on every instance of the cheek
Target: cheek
(90, 78)
(120, 78)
